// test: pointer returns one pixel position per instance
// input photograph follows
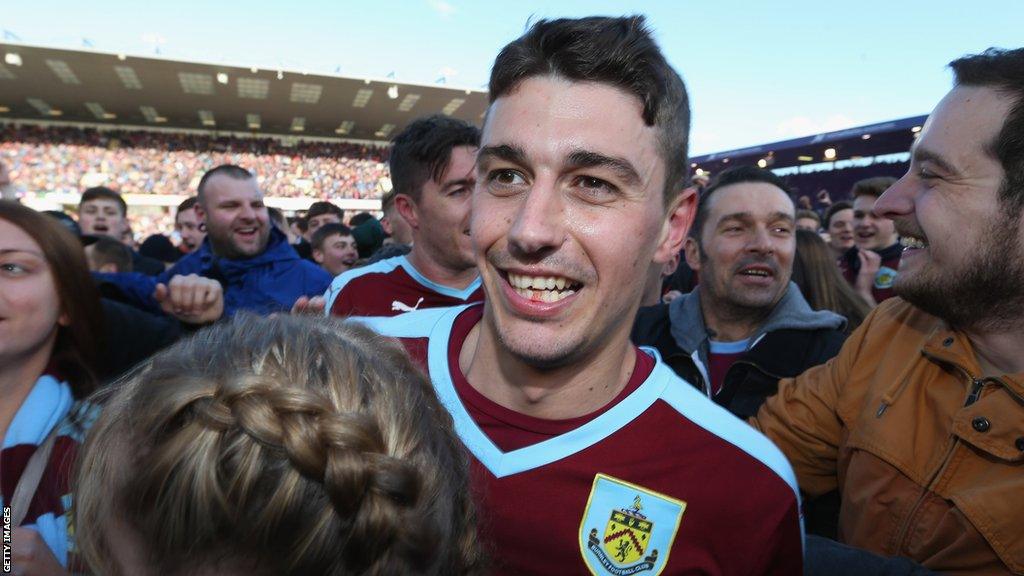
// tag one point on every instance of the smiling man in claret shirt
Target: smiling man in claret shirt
(588, 453)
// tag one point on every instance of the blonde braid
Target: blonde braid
(289, 445)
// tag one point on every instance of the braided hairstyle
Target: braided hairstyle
(277, 445)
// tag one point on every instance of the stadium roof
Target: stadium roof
(892, 137)
(39, 83)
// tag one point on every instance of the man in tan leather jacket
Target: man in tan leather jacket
(919, 421)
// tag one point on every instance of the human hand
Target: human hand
(824, 198)
(307, 306)
(870, 263)
(31, 556)
(192, 299)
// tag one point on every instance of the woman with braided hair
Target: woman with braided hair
(272, 446)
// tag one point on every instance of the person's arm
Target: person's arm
(803, 419)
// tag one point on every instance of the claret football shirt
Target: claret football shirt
(391, 287)
(659, 481)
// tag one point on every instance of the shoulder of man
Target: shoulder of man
(719, 422)
(343, 280)
(414, 324)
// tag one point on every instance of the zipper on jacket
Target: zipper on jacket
(976, 387)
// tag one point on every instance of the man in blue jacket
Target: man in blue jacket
(259, 271)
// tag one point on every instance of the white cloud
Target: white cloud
(448, 72)
(803, 126)
(442, 7)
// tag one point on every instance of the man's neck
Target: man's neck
(725, 323)
(999, 353)
(554, 394)
(440, 274)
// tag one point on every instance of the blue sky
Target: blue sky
(757, 71)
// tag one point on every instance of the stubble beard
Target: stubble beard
(985, 295)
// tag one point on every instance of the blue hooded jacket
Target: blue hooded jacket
(269, 282)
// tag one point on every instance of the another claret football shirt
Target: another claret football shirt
(391, 287)
(659, 481)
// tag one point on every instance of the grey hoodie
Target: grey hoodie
(792, 312)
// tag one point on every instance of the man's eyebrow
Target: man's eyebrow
(622, 167)
(741, 216)
(922, 154)
(508, 152)
(782, 216)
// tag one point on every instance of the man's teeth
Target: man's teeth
(911, 242)
(542, 288)
(755, 273)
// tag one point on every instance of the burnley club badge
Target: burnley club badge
(628, 529)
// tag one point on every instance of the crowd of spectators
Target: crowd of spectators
(70, 159)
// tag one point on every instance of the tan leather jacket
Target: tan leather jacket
(928, 456)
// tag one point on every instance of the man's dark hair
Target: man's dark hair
(422, 150)
(358, 219)
(103, 193)
(833, 210)
(615, 51)
(277, 217)
(320, 208)
(326, 231)
(872, 186)
(388, 200)
(186, 205)
(1003, 71)
(808, 214)
(106, 250)
(737, 175)
(229, 170)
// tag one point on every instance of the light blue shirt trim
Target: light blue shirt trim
(440, 289)
(737, 347)
(415, 324)
(54, 532)
(46, 405)
(436, 324)
(341, 280)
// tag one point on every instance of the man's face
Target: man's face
(869, 231)
(189, 227)
(316, 222)
(569, 218)
(442, 213)
(745, 256)
(964, 254)
(809, 224)
(236, 219)
(840, 230)
(102, 217)
(337, 254)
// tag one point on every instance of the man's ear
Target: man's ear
(200, 214)
(318, 256)
(406, 207)
(677, 225)
(692, 252)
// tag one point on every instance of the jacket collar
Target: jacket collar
(277, 250)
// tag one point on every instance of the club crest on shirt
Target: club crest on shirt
(885, 277)
(628, 529)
